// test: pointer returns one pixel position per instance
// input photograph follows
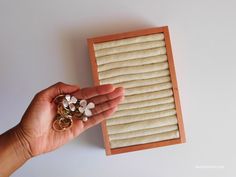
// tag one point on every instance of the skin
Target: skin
(34, 134)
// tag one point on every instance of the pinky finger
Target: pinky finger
(96, 119)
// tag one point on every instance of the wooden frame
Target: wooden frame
(165, 31)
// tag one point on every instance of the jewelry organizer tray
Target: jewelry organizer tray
(142, 62)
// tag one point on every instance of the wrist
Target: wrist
(20, 144)
(14, 151)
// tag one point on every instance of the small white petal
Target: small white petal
(88, 112)
(73, 99)
(91, 105)
(83, 103)
(67, 97)
(81, 109)
(72, 107)
(85, 119)
(65, 103)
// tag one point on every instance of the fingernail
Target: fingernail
(122, 98)
(123, 89)
(115, 108)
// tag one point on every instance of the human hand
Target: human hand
(35, 133)
(36, 124)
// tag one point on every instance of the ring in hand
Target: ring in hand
(69, 107)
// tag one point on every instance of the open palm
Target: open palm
(36, 125)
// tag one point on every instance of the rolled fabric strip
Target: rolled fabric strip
(144, 110)
(140, 117)
(148, 88)
(148, 96)
(133, 62)
(121, 128)
(146, 103)
(133, 40)
(145, 139)
(132, 77)
(133, 70)
(130, 55)
(143, 82)
(129, 48)
(143, 132)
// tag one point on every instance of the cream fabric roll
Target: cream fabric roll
(143, 82)
(130, 47)
(135, 77)
(140, 117)
(144, 110)
(146, 103)
(148, 88)
(133, 40)
(131, 55)
(121, 128)
(143, 132)
(148, 96)
(133, 62)
(133, 70)
(145, 139)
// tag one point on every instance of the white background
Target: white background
(43, 42)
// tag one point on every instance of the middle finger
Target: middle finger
(119, 91)
(107, 105)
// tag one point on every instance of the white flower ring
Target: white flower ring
(69, 102)
(85, 108)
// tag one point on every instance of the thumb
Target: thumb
(59, 88)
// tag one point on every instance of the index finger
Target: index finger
(89, 92)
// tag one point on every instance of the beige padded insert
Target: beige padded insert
(140, 65)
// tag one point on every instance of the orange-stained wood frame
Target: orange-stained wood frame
(165, 31)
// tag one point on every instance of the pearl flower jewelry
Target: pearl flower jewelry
(69, 107)
(84, 108)
(69, 101)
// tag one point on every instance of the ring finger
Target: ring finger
(119, 91)
(107, 105)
